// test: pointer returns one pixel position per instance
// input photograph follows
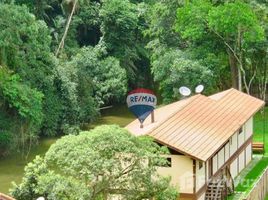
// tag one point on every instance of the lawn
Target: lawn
(261, 128)
(260, 135)
(252, 176)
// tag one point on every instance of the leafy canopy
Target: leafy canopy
(198, 19)
(103, 162)
(174, 69)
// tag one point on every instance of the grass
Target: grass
(246, 184)
(261, 128)
(260, 135)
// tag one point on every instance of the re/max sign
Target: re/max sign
(142, 98)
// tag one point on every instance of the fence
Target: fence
(260, 190)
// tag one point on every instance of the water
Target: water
(12, 167)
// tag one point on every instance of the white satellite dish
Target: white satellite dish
(40, 198)
(185, 91)
(199, 89)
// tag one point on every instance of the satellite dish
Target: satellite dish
(40, 198)
(199, 89)
(185, 91)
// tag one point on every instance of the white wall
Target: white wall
(221, 158)
(241, 160)
(248, 153)
(249, 128)
(233, 168)
(233, 144)
(241, 137)
(207, 168)
(202, 197)
(181, 172)
(227, 151)
(200, 176)
(215, 163)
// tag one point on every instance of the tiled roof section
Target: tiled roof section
(200, 125)
(161, 114)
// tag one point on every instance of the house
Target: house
(209, 138)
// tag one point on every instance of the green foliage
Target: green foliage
(198, 19)
(230, 18)
(25, 49)
(192, 19)
(173, 69)
(122, 23)
(24, 105)
(232, 28)
(26, 101)
(96, 164)
(161, 17)
(103, 75)
(27, 188)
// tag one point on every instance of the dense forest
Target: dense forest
(62, 60)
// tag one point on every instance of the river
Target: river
(12, 167)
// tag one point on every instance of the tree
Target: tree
(161, 18)
(235, 31)
(25, 104)
(122, 23)
(105, 161)
(174, 69)
(73, 5)
(25, 50)
(104, 75)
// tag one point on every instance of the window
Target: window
(231, 141)
(200, 165)
(167, 163)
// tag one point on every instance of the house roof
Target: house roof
(199, 126)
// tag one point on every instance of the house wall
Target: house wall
(200, 175)
(248, 154)
(227, 151)
(215, 163)
(231, 148)
(234, 168)
(181, 173)
(241, 137)
(244, 156)
(241, 161)
(233, 144)
(249, 128)
(202, 197)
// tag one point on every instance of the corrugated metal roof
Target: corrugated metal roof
(200, 125)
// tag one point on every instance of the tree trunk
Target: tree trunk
(239, 80)
(61, 45)
(234, 70)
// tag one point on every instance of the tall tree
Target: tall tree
(235, 31)
(125, 167)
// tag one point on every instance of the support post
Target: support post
(152, 116)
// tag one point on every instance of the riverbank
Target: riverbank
(12, 167)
